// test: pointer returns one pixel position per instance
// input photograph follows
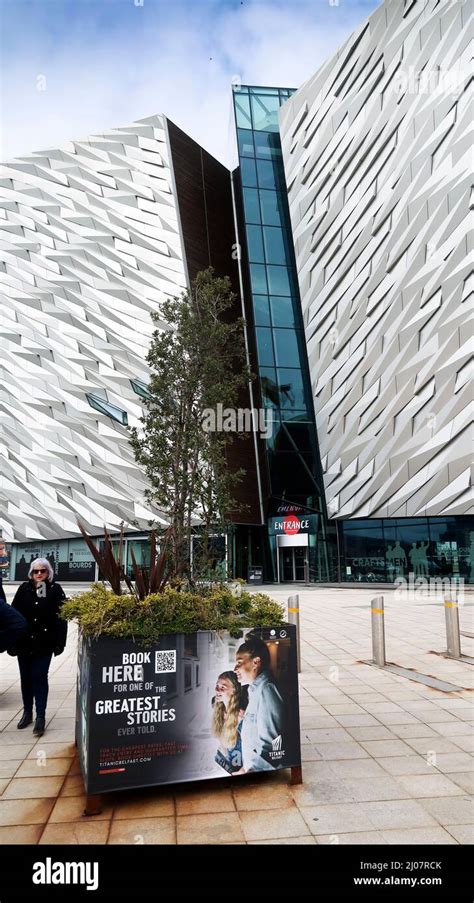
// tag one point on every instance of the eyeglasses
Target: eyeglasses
(40, 571)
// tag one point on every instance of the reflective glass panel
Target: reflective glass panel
(265, 112)
(270, 174)
(251, 206)
(282, 310)
(364, 556)
(258, 279)
(269, 387)
(276, 245)
(256, 89)
(287, 349)
(272, 208)
(248, 172)
(278, 280)
(290, 387)
(106, 407)
(267, 145)
(264, 346)
(245, 140)
(261, 310)
(255, 244)
(289, 474)
(242, 111)
(140, 388)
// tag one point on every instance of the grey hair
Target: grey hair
(44, 563)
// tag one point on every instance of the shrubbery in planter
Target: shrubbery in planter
(100, 612)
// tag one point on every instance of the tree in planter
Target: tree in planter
(197, 363)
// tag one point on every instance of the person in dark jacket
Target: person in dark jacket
(12, 624)
(39, 600)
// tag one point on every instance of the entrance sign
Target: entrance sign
(293, 524)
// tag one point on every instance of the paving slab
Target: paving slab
(386, 760)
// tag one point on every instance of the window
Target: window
(242, 111)
(251, 205)
(265, 112)
(255, 244)
(257, 89)
(245, 139)
(248, 172)
(283, 313)
(287, 347)
(261, 310)
(267, 145)
(364, 553)
(276, 245)
(290, 473)
(278, 280)
(272, 208)
(258, 278)
(269, 387)
(140, 388)
(105, 407)
(270, 174)
(291, 389)
(265, 346)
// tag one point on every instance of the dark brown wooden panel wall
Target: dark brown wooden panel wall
(205, 206)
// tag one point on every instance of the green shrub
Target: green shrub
(101, 612)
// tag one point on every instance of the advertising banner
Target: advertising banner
(191, 707)
(79, 564)
(70, 559)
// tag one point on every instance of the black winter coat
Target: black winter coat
(12, 625)
(47, 631)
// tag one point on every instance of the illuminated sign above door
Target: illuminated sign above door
(292, 524)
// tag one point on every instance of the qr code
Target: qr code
(165, 661)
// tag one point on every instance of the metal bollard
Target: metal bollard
(378, 631)
(294, 618)
(453, 637)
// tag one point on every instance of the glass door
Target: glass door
(286, 569)
(293, 564)
(299, 559)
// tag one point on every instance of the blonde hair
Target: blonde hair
(225, 720)
(44, 563)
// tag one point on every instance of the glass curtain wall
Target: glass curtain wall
(292, 455)
(429, 547)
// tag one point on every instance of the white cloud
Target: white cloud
(181, 66)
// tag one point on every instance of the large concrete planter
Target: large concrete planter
(144, 714)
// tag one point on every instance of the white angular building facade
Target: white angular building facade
(377, 148)
(377, 153)
(95, 236)
(90, 244)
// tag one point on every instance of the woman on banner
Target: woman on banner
(228, 704)
(39, 600)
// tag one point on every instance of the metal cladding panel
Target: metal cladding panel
(378, 157)
(90, 245)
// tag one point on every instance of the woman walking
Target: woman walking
(39, 600)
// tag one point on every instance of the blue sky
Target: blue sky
(70, 68)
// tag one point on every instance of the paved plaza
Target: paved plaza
(385, 759)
